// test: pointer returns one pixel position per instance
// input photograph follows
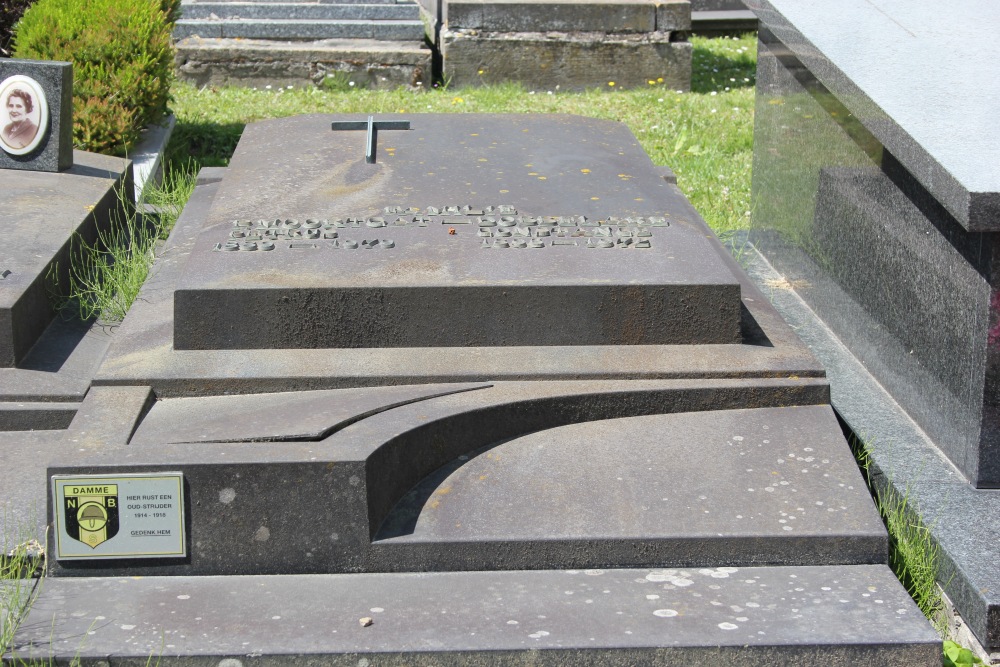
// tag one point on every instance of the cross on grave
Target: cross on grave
(373, 126)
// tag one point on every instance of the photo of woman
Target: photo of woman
(23, 115)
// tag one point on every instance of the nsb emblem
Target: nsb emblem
(91, 512)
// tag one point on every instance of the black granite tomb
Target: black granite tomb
(877, 197)
(40, 214)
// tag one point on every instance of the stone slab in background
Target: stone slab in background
(299, 10)
(40, 213)
(623, 16)
(55, 152)
(301, 29)
(571, 61)
(723, 21)
(249, 62)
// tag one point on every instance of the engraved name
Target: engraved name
(498, 227)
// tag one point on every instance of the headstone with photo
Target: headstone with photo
(36, 115)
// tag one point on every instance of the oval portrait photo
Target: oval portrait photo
(24, 114)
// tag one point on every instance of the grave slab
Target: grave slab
(409, 240)
(389, 507)
(751, 617)
(41, 213)
(143, 352)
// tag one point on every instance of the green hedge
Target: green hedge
(122, 63)
(10, 14)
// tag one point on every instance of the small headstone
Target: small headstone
(36, 115)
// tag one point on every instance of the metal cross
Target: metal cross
(373, 126)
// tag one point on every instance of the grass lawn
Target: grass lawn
(705, 136)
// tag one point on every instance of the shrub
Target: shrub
(122, 63)
(10, 13)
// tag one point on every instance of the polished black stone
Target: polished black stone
(910, 291)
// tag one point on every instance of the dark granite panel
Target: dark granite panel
(879, 259)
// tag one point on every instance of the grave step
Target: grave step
(482, 477)
(722, 487)
(365, 63)
(290, 29)
(36, 416)
(299, 11)
(806, 616)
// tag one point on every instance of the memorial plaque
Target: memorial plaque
(119, 516)
(550, 230)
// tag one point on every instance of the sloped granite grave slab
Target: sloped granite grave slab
(561, 234)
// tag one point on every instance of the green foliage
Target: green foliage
(170, 195)
(10, 14)
(172, 10)
(105, 275)
(122, 63)
(914, 556)
(20, 571)
(957, 656)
